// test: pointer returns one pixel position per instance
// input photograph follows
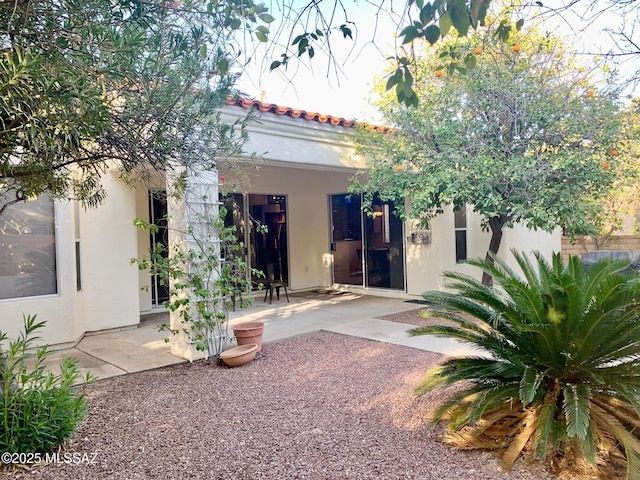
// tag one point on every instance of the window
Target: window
(27, 248)
(76, 224)
(460, 227)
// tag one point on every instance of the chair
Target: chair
(271, 283)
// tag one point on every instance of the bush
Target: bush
(562, 379)
(38, 410)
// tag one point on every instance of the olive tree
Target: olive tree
(133, 85)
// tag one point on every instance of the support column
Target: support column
(192, 201)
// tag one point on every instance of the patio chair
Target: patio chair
(271, 283)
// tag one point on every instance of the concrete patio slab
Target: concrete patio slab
(142, 348)
(130, 351)
(97, 367)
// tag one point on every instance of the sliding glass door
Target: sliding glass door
(368, 248)
(266, 249)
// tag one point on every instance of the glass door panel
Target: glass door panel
(159, 238)
(269, 251)
(235, 216)
(346, 240)
(384, 247)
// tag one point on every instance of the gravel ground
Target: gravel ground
(419, 317)
(318, 406)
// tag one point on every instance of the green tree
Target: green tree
(559, 379)
(96, 84)
(622, 204)
(522, 137)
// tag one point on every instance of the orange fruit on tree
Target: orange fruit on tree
(606, 165)
(613, 152)
(439, 73)
(398, 168)
(477, 50)
(516, 48)
(581, 70)
(590, 93)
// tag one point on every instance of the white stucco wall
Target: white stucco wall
(108, 241)
(305, 160)
(58, 310)
(109, 295)
(426, 262)
(525, 240)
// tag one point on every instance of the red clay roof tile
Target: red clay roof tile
(295, 113)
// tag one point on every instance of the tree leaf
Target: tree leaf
(460, 17)
(262, 36)
(410, 33)
(346, 32)
(266, 18)
(275, 64)
(393, 79)
(445, 23)
(470, 61)
(426, 14)
(478, 11)
(223, 66)
(432, 34)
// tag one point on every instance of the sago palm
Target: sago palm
(560, 373)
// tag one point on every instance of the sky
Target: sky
(313, 87)
(341, 89)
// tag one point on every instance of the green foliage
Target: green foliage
(38, 410)
(88, 85)
(205, 273)
(562, 364)
(516, 137)
(435, 21)
(623, 202)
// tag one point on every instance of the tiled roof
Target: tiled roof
(303, 114)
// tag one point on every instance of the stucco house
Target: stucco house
(71, 267)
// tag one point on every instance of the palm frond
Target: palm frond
(432, 380)
(529, 385)
(492, 399)
(576, 409)
(473, 436)
(461, 303)
(522, 438)
(588, 445)
(623, 411)
(544, 428)
(457, 400)
(629, 442)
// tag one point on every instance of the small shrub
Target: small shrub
(562, 382)
(38, 410)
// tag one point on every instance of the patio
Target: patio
(116, 353)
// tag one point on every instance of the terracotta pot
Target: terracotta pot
(249, 332)
(237, 356)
